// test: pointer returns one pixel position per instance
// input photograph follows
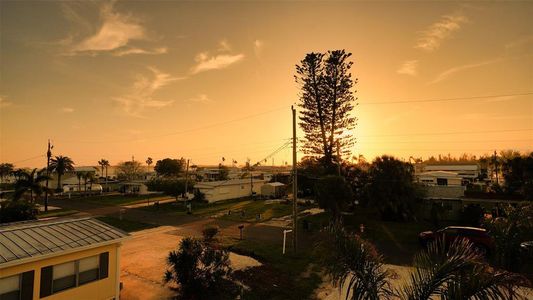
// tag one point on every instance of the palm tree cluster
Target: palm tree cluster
(30, 182)
(456, 271)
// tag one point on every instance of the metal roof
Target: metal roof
(24, 241)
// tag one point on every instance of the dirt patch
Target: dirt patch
(143, 263)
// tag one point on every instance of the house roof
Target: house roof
(275, 184)
(214, 184)
(27, 241)
(451, 168)
(438, 174)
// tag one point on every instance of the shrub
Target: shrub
(199, 268)
(14, 211)
(209, 233)
(199, 196)
(171, 187)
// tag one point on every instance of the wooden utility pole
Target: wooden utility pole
(187, 181)
(495, 162)
(294, 184)
(48, 156)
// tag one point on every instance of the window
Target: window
(88, 269)
(17, 287)
(64, 276)
(10, 288)
(74, 273)
(442, 181)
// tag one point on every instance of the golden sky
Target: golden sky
(206, 80)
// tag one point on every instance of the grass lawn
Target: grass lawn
(220, 209)
(396, 241)
(123, 199)
(286, 276)
(126, 225)
(57, 213)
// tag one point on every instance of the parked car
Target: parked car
(527, 248)
(478, 236)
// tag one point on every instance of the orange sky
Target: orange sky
(211, 80)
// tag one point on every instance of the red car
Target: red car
(478, 236)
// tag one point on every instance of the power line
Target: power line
(31, 158)
(456, 141)
(450, 132)
(446, 99)
(187, 130)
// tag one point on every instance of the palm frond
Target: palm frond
(436, 266)
(354, 265)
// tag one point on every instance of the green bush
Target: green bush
(171, 187)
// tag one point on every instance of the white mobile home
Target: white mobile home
(229, 189)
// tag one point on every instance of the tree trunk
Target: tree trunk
(59, 181)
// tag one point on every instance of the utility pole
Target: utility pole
(495, 160)
(187, 181)
(251, 183)
(294, 183)
(48, 156)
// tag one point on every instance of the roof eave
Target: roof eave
(29, 259)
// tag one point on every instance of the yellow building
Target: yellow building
(60, 259)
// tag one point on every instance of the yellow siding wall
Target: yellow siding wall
(96, 290)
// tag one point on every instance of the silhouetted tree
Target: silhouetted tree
(518, 174)
(326, 100)
(5, 170)
(392, 189)
(334, 194)
(30, 183)
(169, 167)
(60, 165)
(129, 170)
(223, 172)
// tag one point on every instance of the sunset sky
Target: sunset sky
(206, 80)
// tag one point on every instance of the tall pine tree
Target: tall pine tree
(326, 100)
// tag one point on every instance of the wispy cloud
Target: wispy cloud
(129, 51)
(205, 62)
(444, 75)
(141, 95)
(224, 46)
(409, 67)
(432, 38)
(113, 36)
(67, 110)
(258, 47)
(201, 98)
(526, 40)
(4, 102)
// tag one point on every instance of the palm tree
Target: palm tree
(60, 165)
(89, 176)
(455, 272)
(354, 264)
(30, 182)
(149, 161)
(80, 175)
(5, 170)
(104, 163)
